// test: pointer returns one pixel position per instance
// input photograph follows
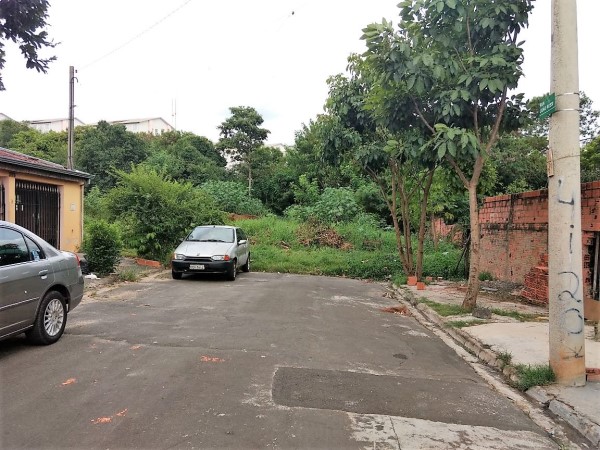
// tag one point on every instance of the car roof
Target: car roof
(216, 226)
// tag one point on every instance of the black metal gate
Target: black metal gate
(2, 213)
(38, 209)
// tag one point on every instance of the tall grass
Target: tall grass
(373, 254)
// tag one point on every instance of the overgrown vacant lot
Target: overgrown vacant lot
(357, 249)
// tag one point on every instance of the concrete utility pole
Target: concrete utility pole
(567, 332)
(71, 131)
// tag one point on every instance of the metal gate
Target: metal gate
(2, 214)
(38, 209)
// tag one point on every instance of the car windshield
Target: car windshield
(210, 234)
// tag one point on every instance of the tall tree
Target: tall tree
(386, 150)
(185, 157)
(105, 148)
(241, 136)
(23, 22)
(457, 59)
(8, 129)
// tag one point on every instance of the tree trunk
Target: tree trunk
(249, 180)
(470, 299)
(423, 224)
(433, 232)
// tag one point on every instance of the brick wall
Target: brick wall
(514, 231)
(514, 242)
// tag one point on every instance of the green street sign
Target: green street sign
(547, 106)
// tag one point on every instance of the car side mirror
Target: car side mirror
(242, 241)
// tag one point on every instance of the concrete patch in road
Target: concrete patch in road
(458, 401)
(394, 433)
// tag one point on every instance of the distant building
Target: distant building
(154, 125)
(281, 147)
(57, 125)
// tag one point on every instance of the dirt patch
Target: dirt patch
(127, 270)
(316, 234)
(493, 295)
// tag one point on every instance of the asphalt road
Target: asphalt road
(266, 361)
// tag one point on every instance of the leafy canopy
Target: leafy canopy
(23, 22)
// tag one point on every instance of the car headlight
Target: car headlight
(178, 256)
(220, 258)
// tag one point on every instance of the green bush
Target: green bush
(299, 213)
(95, 204)
(232, 197)
(336, 205)
(102, 246)
(157, 212)
(444, 263)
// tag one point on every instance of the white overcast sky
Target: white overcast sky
(136, 57)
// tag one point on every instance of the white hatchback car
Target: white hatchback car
(212, 249)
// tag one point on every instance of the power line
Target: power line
(137, 36)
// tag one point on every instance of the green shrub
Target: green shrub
(95, 204)
(336, 205)
(443, 263)
(157, 212)
(299, 213)
(102, 246)
(399, 279)
(232, 197)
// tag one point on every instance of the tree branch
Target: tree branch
(494, 134)
(458, 170)
(418, 110)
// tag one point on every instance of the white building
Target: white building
(154, 125)
(57, 125)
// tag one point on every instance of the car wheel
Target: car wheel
(232, 270)
(246, 267)
(50, 321)
(176, 275)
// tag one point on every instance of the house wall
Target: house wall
(514, 243)
(71, 205)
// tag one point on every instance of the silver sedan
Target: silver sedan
(39, 285)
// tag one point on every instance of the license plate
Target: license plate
(196, 266)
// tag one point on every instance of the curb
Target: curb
(581, 423)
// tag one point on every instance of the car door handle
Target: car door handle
(43, 273)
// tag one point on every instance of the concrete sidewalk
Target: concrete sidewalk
(526, 343)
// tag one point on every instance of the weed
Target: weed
(400, 279)
(463, 323)
(485, 276)
(505, 357)
(536, 375)
(128, 275)
(521, 317)
(444, 309)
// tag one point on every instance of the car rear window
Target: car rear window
(13, 249)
